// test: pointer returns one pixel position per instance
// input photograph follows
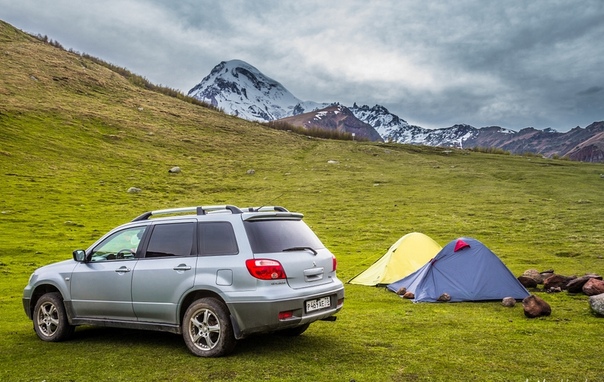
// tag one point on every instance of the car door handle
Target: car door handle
(182, 267)
(123, 269)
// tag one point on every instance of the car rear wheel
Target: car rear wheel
(50, 319)
(207, 329)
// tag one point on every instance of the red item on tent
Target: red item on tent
(460, 245)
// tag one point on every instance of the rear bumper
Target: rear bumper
(263, 316)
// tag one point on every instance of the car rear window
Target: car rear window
(276, 235)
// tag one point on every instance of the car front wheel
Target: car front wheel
(207, 329)
(50, 319)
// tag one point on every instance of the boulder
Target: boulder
(594, 276)
(174, 170)
(576, 285)
(401, 291)
(445, 297)
(546, 274)
(534, 275)
(134, 190)
(597, 304)
(556, 281)
(528, 282)
(535, 307)
(409, 295)
(508, 302)
(593, 287)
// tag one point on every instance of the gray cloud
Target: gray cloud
(482, 62)
(591, 91)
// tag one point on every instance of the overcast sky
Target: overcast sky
(510, 63)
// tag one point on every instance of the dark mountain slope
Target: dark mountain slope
(335, 117)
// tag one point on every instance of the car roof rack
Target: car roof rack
(266, 209)
(199, 210)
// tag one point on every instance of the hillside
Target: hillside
(75, 136)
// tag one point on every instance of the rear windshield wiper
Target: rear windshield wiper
(301, 249)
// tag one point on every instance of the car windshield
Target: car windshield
(268, 236)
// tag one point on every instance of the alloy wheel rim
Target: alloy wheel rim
(204, 329)
(48, 319)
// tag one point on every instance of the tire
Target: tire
(207, 329)
(293, 332)
(50, 319)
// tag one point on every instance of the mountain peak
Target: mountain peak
(242, 90)
(380, 118)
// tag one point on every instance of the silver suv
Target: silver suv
(214, 274)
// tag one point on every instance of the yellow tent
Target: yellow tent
(408, 254)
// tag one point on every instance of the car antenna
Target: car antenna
(270, 202)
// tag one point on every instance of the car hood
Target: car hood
(59, 267)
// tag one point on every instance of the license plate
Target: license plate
(317, 304)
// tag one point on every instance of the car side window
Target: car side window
(121, 245)
(171, 240)
(217, 238)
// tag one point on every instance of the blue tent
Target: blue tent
(466, 270)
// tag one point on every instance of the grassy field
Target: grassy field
(75, 136)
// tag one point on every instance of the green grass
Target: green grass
(74, 136)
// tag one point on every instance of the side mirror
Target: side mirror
(79, 255)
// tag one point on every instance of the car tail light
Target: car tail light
(286, 315)
(265, 269)
(334, 262)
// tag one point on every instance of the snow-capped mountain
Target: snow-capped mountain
(384, 122)
(240, 89)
